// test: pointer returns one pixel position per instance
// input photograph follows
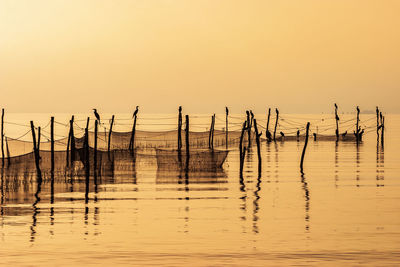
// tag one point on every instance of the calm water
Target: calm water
(344, 210)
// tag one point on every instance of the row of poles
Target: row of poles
(71, 143)
(247, 126)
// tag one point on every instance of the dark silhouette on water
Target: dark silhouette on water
(305, 146)
(36, 210)
(267, 132)
(337, 123)
(307, 201)
(96, 114)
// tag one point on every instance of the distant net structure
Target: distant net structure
(175, 144)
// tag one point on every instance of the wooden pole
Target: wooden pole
(187, 143)
(210, 133)
(213, 129)
(382, 129)
(69, 143)
(242, 150)
(35, 151)
(304, 149)
(2, 136)
(337, 123)
(180, 129)
(87, 160)
(73, 148)
(109, 135)
(276, 122)
(8, 153)
(52, 143)
(132, 141)
(95, 146)
(377, 124)
(258, 135)
(38, 141)
(357, 127)
(87, 165)
(267, 132)
(226, 127)
(248, 128)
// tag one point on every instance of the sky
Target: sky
(301, 56)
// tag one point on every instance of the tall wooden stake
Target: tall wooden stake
(357, 127)
(8, 153)
(180, 129)
(276, 122)
(377, 124)
(304, 149)
(109, 135)
(132, 141)
(35, 151)
(248, 128)
(267, 132)
(2, 136)
(258, 135)
(95, 146)
(226, 127)
(242, 150)
(187, 143)
(87, 161)
(337, 123)
(382, 129)
(211, 134)
(38, 140)
(52, 143)
(71, 142)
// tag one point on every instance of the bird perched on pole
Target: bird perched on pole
(96, 115)
(136, 111)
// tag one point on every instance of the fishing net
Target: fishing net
(199, 159)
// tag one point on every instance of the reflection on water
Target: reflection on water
(171, 217)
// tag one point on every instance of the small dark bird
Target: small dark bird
(298, 133)
(282, 134)
(269, 136)
(96, 114)
(344, 134)
(137, 110)
(315, 136)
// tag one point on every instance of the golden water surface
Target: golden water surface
(345, 210)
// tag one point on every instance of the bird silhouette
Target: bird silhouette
(298, 133)
(96, 115)
(269, 136)
(282, 134)
(136, 111)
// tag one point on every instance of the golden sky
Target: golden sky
(301, 56)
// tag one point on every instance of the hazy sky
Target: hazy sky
(301, 56)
